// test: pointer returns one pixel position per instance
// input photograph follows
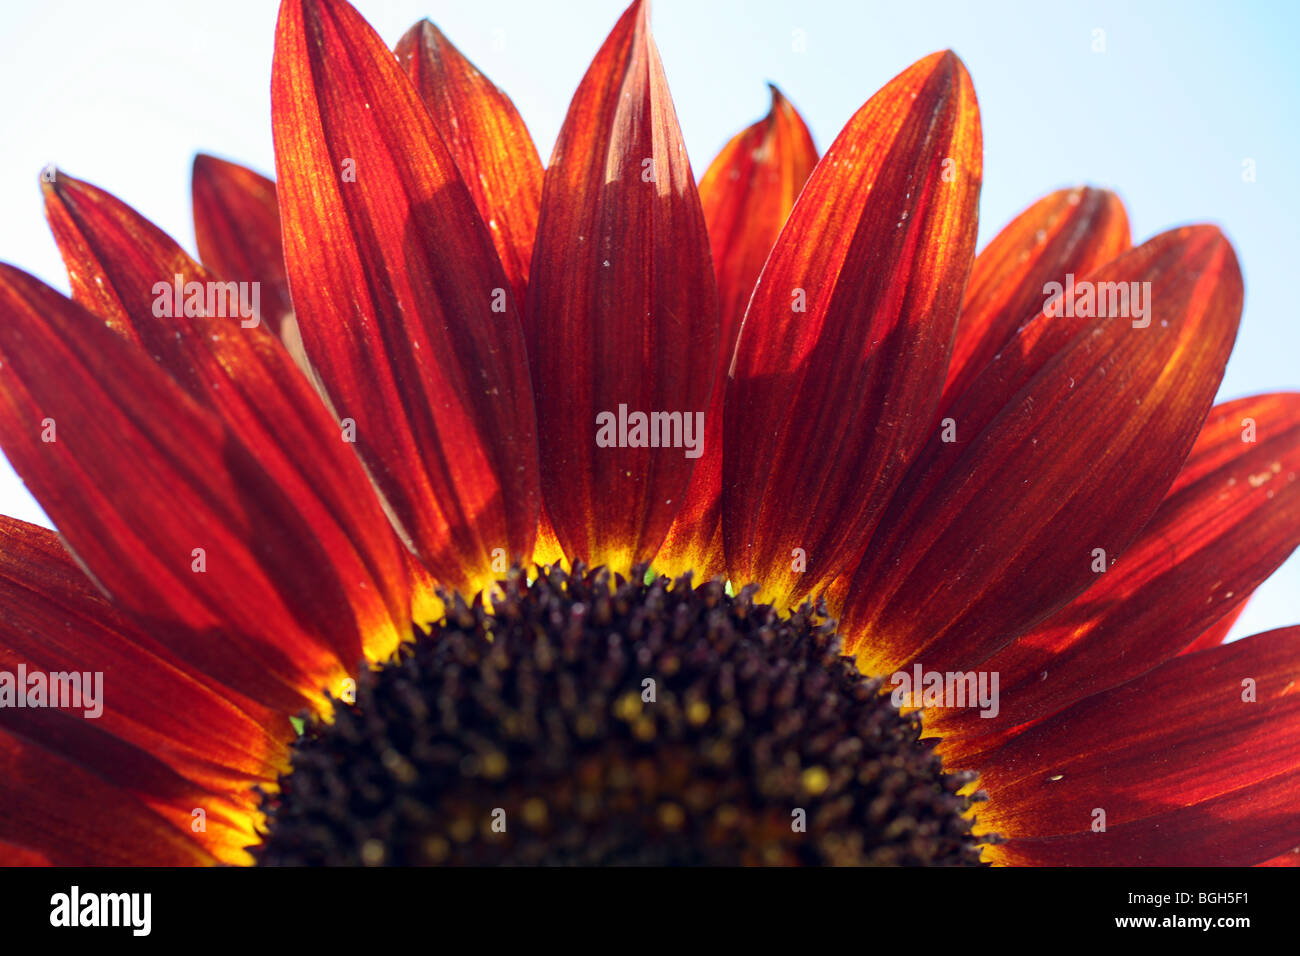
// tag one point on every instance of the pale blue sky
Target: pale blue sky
(125, 93)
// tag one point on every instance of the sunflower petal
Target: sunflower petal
(746, 193)
(488, 140)
(53, 620)
(84, 821)
(166, 506)
(1194, 762)
(1070, 231)
(228, 827)
(237, 227)
(1209, 546)
(1290, 858)
(841, 356)
(1074, 438)
(124, 268)
(403, 304)
(1217, 632)
(622, 314)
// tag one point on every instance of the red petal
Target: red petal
(1065, 446)
(237, 226)
(1209, 546)
(1187, 768)
(825, 407)
(488, 140)
(1217, 632)
(11, 854)
(747, 194)
(138, 476)
(1070, 231)
(395, 281)
(70, 816)
(1290, 858)
(52, 619)
(229, 825)
(622, 307)
(124, 268)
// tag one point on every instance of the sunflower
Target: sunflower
(461, 510)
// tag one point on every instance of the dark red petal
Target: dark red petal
(1209, 546)
(124, 268)
(1069, 444)
(1197, 761)
(237, 227)
(11, 854)
(1070, 231)
(622, 307)
(70, 816)
(746, 193)
(1217, 632)
(826, 406)
(1237, 829)
(488, 140)
(229, 826)
(53, 619)
(148, 487)
(403, 304)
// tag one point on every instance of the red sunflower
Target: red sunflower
(484, 397)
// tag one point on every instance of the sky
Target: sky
(1169, 104)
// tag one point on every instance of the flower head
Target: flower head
(756, 521)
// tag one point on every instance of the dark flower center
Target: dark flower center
(585, 719)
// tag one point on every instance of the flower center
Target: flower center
(586, 719)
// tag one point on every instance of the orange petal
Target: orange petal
(1195, 762)
(622, 312)
(488, 140)
(1209, 546)
(1069, 231)
(167, 507)
(842, 353)
(1065, 448)
(402, 302)
(125, 269)
(746, 193)
(237, 227)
